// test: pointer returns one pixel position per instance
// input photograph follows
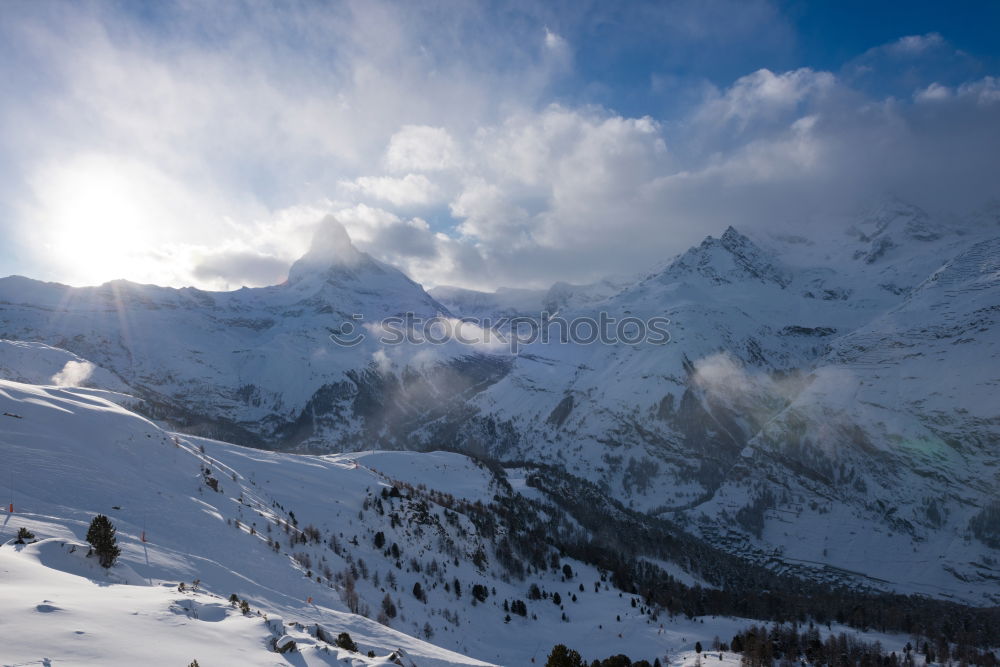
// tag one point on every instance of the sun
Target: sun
(97, 219)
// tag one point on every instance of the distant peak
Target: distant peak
(890, 223)
(892, 207)
(331, 248)
(732, 238)
(331, 244)
(730, 258)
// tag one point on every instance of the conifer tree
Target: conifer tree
(345, 642)
(101, 536)
(388, 607)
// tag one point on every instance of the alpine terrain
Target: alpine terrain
(466, 504)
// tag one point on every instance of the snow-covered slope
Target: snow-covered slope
(315, 545)
(37, 363)
(71, 454)
(58, 611)
(291, 534)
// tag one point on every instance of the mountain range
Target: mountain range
(844, 378)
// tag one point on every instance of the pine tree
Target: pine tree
(345, 642)
(101, 536)
(563, 657)
(388, 607)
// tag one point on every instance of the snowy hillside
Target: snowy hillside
(388, 547)
(37, 363)
(72, 455)
(289, 534)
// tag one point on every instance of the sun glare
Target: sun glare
(98, 218)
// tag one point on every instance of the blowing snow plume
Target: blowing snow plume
(73, 374)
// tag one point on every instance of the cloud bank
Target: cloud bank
(467, 144)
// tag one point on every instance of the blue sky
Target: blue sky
(478, 144)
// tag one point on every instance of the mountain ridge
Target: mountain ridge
(777, 390)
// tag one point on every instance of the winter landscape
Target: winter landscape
(440, 334)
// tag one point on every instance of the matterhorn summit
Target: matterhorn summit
(331, 249)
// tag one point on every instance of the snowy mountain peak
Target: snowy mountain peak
(331, 249)
(732, 238)
(891, 223)
(731, 258)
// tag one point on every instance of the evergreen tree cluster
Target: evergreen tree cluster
(602, 532)
(562, 656)
(527, 537)
(761, 647)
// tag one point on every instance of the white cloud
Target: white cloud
(558, 50)
(932, 93)
(554, 42)
(168, 159)
(421, 148)
(410, 190)
(488, 213)
(235, 268)
(916, 44)
(986, 91)
(764, 95)
(382, 361)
